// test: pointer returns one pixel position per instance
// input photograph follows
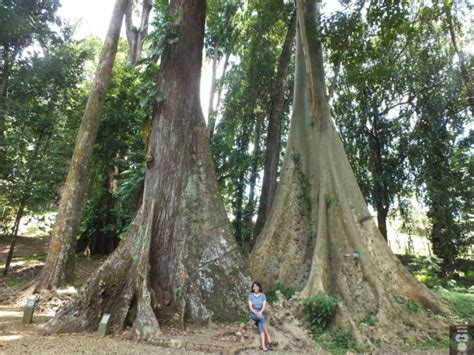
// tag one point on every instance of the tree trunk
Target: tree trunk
(213, 114)
(8, 57)
(136, 36)
(101, 241)
(240, 182)
(179, 254)
(272, 153)
(319, 217)
(59, 267)
(14, 234)
(381, 196)
(210, 110)
(250, 210)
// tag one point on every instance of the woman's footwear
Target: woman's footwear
(263, 349)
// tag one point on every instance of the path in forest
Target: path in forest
(16, 338)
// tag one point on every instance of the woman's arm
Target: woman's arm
(258, 314)
(251, 308)
(263, 306)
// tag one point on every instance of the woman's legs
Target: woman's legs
(262, 340)
(261, 323)
(266, 329)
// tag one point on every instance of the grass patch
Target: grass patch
(462, 303)
(369, 318)
(427, 345)
(38, 256)
(339, 341)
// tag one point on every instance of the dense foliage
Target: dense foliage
(395, 80)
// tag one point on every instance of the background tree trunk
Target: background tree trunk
(59, 266)
(14, 235)
(136, 36)
(179, 254)
(272, 153)
(319, 217)
(97, 239)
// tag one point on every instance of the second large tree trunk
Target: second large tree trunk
(179, 254)
(319, 218)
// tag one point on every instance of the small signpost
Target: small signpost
(104, 324)
(28, 310)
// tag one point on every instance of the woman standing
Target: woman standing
(257, 303)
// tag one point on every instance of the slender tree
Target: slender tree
(59, 266)
(179, 254)
(275, 117)
(319, 219)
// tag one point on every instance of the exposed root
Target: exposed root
(120, 287)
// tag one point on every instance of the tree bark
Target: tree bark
(14, 235)
(179, 254)
(319, 217)
(136, 36)
(272, 152)
(381, 196)
(101, 241)
(249, 211)
(59, 266)
(210, 110)
(212, 116)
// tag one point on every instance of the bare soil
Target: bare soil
(17, 338)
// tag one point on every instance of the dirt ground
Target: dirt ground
(17, 338)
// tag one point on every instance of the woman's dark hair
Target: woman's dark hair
(260, 289)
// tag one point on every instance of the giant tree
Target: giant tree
(179, 254)
(319, 220)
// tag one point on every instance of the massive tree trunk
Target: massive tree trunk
(59, 267)
(319, 217)
(272, 153)
(179, 254)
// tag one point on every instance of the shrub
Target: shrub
(320, 310)
(286, 291)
